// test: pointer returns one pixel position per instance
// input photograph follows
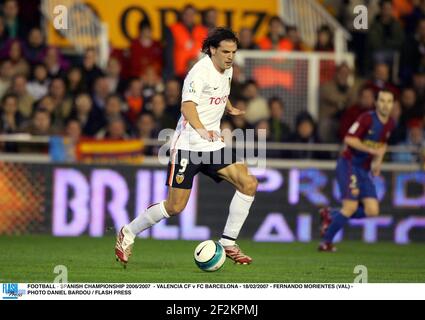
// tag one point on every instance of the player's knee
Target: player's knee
(174, 208)
(249, 186)
(349, 210)
(372, 211)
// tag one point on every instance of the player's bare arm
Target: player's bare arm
(377, 161)
(188, 109)
(232, 110)
(356, 143)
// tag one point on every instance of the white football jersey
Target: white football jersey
(209, 89)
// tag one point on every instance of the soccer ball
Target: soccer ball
(209, 255)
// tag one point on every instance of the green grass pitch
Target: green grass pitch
(33, 258)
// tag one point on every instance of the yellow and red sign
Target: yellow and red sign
(110, 151)
(122, 17)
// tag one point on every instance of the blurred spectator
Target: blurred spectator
(55, 63)
(275, 38)
(294, 36)
(16, 56)
(47, 103)
(279, 131)
(63, 103)
(385, 36)
(40, 124)
(73, 130)
(88, 116)
(15, 27)
(101, 91)
(75, 82)
(325, 39)
(6, 75)
(10, 120)
(10, 117)
(72, 136)
(409, 105)
(90, 69)
(399, 132)
(381, 80)
(145, 52)
(239, 122)
(365, 102)
(134, 99)
(396, 112)
(172, 98)
(209, 18)
(34, 46)
(145, 129)
(257, 108)
(246, 40)
(402, 8)
(418, 83)
(335, 97)
(115, 130)
(237, 85)
(114, 108)
(305, 132)
(411, 21)
(413, 54)
(416, 138)
(163, 119)
(113, 75)
(226, 128)
(4, 35)
(183, 43)
(262, 130)
(39, 84)
(25, 100)
(152, 83)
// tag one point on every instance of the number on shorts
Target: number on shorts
(183, 165)
(353, 183)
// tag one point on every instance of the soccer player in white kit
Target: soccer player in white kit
(205, 96)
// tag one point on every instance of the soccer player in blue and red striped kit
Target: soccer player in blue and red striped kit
(365, 147)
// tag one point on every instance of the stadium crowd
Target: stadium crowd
(46, 92)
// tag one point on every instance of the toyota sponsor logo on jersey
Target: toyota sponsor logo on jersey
(218, 100)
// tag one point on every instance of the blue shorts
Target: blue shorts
(354, 182)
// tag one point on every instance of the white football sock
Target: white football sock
(147, 219)
(238, 211)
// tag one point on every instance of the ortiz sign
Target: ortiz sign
(123, 17)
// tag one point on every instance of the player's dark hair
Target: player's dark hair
(384, 91)
(216, 36)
